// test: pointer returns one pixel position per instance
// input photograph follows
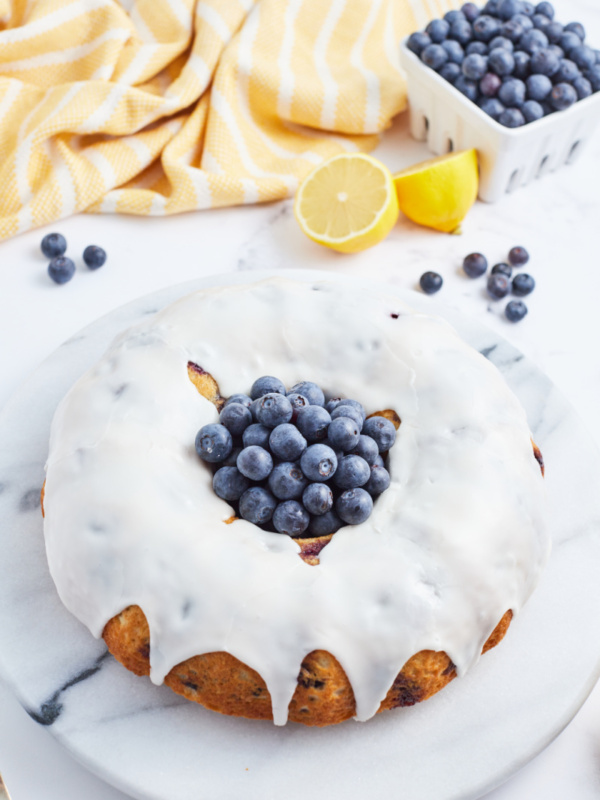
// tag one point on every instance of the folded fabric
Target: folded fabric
(155, 107)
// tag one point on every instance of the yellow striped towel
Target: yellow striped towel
(155, 107)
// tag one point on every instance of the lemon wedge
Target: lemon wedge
(347, 203)
(439, 192)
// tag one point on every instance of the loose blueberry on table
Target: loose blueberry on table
(295, 463)
(512, 58)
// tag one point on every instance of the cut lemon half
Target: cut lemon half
(439, 192)
(348, 203)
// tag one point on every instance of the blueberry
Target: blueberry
(545, 8)
(569, 40)
(325, 524)
(313, 422)
(333, 403)
(291, 517)
(319, 462)
(466, 87)
(470, 11)
(455, 52)
(533, 40)
(53, 245)
(312, 392)
(554, 31)
(450, 71)
(501, 41)
(514, 29)
(236, 418)
(475, 265)
(418, 41)
(273, 409)
(379, 461)
(229, 483)
(593, 76)
(583, 87)
(512, 93)
(255, 463)
(518, 256)
(532, 110)
(438, 30)
(367, 449)
(347, 401)
(94, 256)
(317, 498)
(480, 48)
(501, 61)
(567, 71)
(512, 118)
(434, 56)
(231, 459)
(502, 269)
(454, 16)
(558, 51)
(382, 430)
(343, 433)
(430, 282)
(61, 269)
(354, 506)
(489, 84)
(256, 434)
(379, 480)
(287, 481)
(485, 28)
(576, 28)
(349, 411)
(257, 505)
(474, 67)
(583, 56)
(239, 398)
(541, 22)
(286, 442)
(508, 8)
(461, 32)
(498, 286)
(528, 8)
(266, 385)
(544, 62)
(523, 284)
(492, 107)
(352, 471)
(563, 96)
(213, 443)
(515, 310)
(491, 7)
(522, 60)
(538, 87)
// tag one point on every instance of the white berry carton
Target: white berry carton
(508, 157)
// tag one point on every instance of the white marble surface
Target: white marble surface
(557, 219)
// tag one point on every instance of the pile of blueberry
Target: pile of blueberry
(61, 268)
(292, 462)
(512, 58)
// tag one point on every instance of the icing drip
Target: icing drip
(131, 517)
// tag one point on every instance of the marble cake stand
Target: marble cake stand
(152, 744)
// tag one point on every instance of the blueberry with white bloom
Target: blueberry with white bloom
(61, 269)
(273, 409)
(512, 93)
(501, 61)
(533, 40)
(514, 29)
(255, 463)
(417, 42)
(324, 524)
(291, 517)
(567, 71)
(501, 41)
(382, 430)
(554, 31)
(213, 443)
(502, 269)
(485, 28)
(229, 483)
(450, 71)
(438, 30)
(319, 462)
(515, 310)
(266, 385)
(286, 442)
(593, 76)
(257, 505)
(379, 480)
(576, 28)
(532, 110)
(287, 481)
(470, 11)
(545, 8)
(538, 87)
(298, 401)
(317, 499)
(244, 399)
(312, 392)
(354, 506)
(347, 401)
(256, 434)
(352, 471)
(366, 448)
(508, 8)
(466, 87)
(562, 96)
(313, 422)
(480, 48)
(455, 52)
(569, 41)
(474, 67)
(583, 56)
(544, 62)
(434, 56)
(583, 87)
(53, 245)
(94, 256)
(231, 459)
(236, 418)
(522, 60)
(454, 16)
(512, 118)
(343, 433)
(354, 413)
(541, 22)
(492, 107)
(461, 32)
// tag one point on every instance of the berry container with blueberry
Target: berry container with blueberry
(528, 105)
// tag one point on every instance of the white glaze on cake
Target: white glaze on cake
(131, 517)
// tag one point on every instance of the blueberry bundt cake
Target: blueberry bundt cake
(254, 621)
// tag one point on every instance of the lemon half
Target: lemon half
(439, 192)
(348, 203)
